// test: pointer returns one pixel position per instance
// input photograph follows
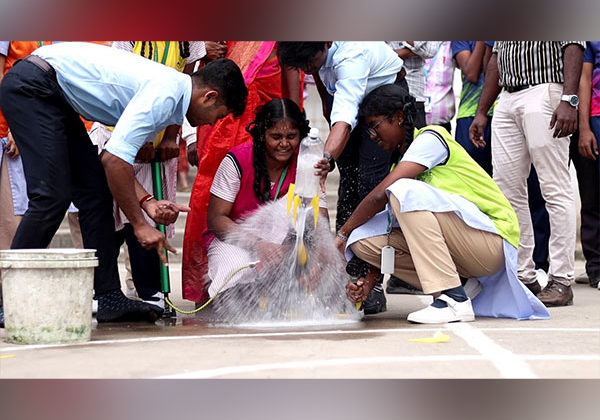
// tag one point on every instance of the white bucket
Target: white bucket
(47, 294)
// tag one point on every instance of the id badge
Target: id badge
(387, 260)
(427, 105)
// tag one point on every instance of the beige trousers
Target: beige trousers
(433, 249)
(521, 137)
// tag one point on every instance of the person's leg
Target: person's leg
(540, 220)
(511, 162)
(9, 222)
(145, 266)
(443, 248)
(550, 157)
(347, 164)
(589, 189)
(92, 197)
(33, 106)
(482, 156)
(75, 229)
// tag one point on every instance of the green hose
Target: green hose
(158, 194)
(233, 273)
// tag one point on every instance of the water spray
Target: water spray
(304, 193)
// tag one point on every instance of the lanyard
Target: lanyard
(165, 54)
(281, 178)
(432, 61)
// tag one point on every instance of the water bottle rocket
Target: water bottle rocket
(305, 191)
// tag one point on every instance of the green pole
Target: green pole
(164, 270)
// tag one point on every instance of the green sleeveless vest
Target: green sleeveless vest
(463, 176)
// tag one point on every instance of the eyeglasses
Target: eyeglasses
(372, 131)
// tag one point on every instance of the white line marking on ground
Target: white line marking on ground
(508, 364)
(280, 334)
(308, 364)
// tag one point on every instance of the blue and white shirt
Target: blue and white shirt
(135, 95)
(352, 70)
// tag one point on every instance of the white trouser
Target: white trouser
(521, 136)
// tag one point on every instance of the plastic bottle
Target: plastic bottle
(311, 151)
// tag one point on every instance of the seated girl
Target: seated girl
(443, 215)
(249, 177)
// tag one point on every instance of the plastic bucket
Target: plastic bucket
(47, 294)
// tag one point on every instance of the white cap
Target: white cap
(314, 133)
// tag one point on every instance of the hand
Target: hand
(477, 129)
(163, 212)
(269, 252)
(340, 245)
(167, 149)
(214, 50)
(192, 154)
(151, 238)
(12, 151)
(146, 153)
(322, 170)
(588, 144)
(359, 291)
(564, 120)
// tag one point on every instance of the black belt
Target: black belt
(513, 89)
(41, 64)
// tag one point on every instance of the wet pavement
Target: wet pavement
(379, 346)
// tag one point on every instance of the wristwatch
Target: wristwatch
(331, 161)
(573, 100)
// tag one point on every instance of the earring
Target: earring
(400, 124)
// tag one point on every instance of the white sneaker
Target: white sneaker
(157, 299)
(454, 312)
(472, 288)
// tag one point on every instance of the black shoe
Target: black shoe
(594, 279)
(395, 286)
(1, 317)
(534, 287)
(376, 301)
(113, 306)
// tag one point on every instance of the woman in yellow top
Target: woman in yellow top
(444, 217)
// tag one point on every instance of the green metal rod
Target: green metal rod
(158, 194)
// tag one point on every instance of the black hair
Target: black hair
(267, 116)
(298, 54)
(387, 100)
(225, 77)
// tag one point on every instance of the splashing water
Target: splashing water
(283, 292)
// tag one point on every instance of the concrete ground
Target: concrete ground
(566, 346)
(379, 346)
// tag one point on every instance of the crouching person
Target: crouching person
(445, 218)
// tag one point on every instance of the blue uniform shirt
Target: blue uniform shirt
(137, 96)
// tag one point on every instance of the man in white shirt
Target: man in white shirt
(42, 98)
(347, 72)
